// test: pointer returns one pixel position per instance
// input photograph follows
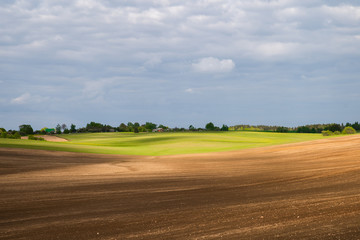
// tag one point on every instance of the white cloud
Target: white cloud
(21, 99)
(211, 65)
(273, 49)
(96, 90)
(189, 90)
(27, 98)
(153, 61)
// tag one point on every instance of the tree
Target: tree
(130, 127)
(163, 127)
(224, 128)
(123, 127)
(349, 130)
(136, 129)
(210, 126)
(66, 131)
(25, 129)
(72, 128)
(58, 129)
(94, 127)
(63, 126)
(356, 126)
(142, 129)
(282, 129)
(150, 126)
(334, 127)
(191, 128)
(17, 135)
(3, 135)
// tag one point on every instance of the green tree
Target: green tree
(3, 134)
(72, 128)
(210, 126)
(334, 127)
(150, 126)
(58, 129)
(26, 129)
(130, 127)
(163, 126)
(191, 128)
(224, 128)
(142, 129)
(17, 135)
(282, 129)
(94, 127)
(349, 130)
(123, 127)
(356, 126)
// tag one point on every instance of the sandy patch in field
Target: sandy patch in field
(49, 138)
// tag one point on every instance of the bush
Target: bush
(349, 130)
(3, 135)
(337, 133)
(17, 135)
(32, 137)
(327, 133)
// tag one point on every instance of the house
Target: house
(49, 130)
(158, 130)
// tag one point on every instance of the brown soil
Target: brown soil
(49, 138)
(296, 191)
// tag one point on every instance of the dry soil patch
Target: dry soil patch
(49, 138)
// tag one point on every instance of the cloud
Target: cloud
(273, 49)
(21, 99)
(27, 98)
(189, 90)
(213, 65)
(136, 55)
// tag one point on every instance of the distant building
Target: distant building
(158, 130)
(50, 130)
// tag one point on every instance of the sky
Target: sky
(272, 62)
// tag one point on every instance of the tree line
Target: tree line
(92, 127)
(310, 128)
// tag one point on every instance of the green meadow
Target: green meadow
(155, 144)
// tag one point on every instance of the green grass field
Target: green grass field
(162, 143)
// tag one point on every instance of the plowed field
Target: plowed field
(305, 190)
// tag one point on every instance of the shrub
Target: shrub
(337, 133)
(327, 133)
(17, 135)
(32, 137)
(3, 135)
(10, 136)
(349, 130)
